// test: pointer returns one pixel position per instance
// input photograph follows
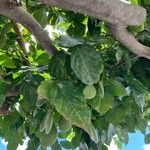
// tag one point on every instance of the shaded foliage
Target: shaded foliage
(90, 90)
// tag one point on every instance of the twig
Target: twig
(20, 42)
(19, 14)
(19, 37)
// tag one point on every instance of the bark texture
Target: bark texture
(19, 14)
(118, 14)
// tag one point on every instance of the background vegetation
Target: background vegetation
(91, 89)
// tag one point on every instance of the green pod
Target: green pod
(89, 91)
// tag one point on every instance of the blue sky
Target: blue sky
(136, 142)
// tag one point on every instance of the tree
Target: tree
(90, 81)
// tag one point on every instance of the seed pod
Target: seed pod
(89, 92)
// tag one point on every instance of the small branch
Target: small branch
(5, 108)
(18, 14)
(121, 63)
(12, 93)
(19, 37)
(20, 42)
(112, 11)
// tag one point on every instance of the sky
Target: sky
(136, 142)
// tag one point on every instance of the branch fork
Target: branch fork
(116, 13)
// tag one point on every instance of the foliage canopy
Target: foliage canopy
(91, 89)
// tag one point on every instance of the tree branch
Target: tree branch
(20, 42)
(118, 14)
(120, 32)
(19, 37)
(18, 14)
(112, 11)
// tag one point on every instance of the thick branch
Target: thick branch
(18, 14)
(123, 36)
(20, 42)
(19, 37)
(118, 14)
(112, 11)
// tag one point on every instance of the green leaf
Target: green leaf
(118, 116)
(2, 92)
(70, 103)
(137, 85)
(57, 66)
(116, 88)
(78, 29)
(100, 90)
(48, 139)
(64, 125)
(66, 144)
(12, 145)
(87, 64)
(48, 121)
(147, 2)
(43, 89)
(139, 99)
(102, 105)
(135, 2)
(56, 146)
(6, 61)
(68, 41)
(119, 53)
(40, 16)
(33, 143)
(29, 93)
(42, 125)
(147, 139)
(42, 59)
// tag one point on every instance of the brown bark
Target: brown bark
(112, 11)
(118, 14)
(18, 14)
